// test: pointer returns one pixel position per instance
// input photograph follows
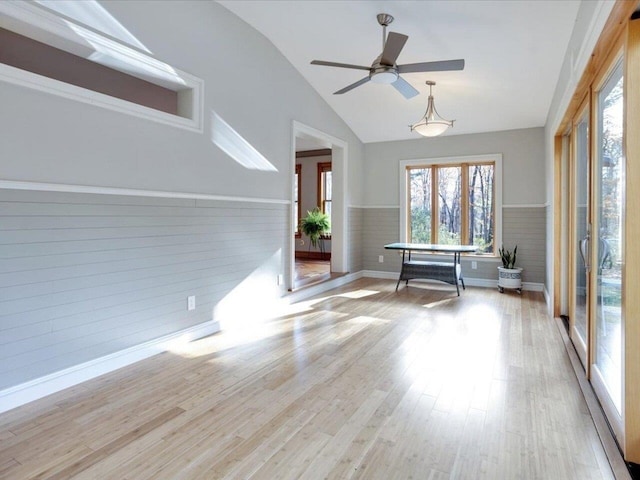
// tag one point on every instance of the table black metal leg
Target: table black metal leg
(456, 262)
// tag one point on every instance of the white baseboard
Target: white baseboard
(13, 397)
(307, 292)
(471, 282)
(379, 274)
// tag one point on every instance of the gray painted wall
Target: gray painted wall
(523, 184)
(82, 276)
(247, 82)
(522, 157)
(526, 227)
(88, 275)
(356, 225)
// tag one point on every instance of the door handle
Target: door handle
(584, 252)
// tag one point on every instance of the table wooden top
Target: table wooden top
(430, 247)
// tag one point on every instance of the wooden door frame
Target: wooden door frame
(620, 27)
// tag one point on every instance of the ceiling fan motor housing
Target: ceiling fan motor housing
(383, 73)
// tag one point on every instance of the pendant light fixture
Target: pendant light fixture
(431, 124)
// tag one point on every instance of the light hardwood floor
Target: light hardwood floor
(311, 272)
(362, 382)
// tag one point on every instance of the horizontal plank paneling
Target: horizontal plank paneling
(355, 226)
(49, 247)
(526, 227)
(84, 275)
(113, 306)
(381, 226)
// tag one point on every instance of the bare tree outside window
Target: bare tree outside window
(450, 208)
(481, 221)
(465, 205)
(420, 187)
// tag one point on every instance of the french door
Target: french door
(580, 232)
(608, 247)
(597, 196)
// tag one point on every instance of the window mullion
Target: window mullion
(407, 199)
(434, 204)
(464, 208)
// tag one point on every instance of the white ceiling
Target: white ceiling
(513, 52)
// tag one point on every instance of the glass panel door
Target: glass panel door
(608, 247)
(581, 241)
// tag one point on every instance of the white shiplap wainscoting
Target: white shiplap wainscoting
(92, 279)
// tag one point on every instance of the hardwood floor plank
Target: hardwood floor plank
(360, 382)
(9, 465)
(97, 455)
(323, 462)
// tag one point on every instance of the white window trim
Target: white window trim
(54, 30)
(496, 158)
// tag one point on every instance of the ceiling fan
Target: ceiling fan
(384, 68)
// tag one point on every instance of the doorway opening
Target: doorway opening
(318, 181)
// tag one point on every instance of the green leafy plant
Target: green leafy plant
(508, 258)
(314, 225)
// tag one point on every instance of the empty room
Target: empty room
(358, 239)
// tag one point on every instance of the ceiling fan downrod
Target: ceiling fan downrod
(385, 20)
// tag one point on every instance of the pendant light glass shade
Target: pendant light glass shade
(431, 124)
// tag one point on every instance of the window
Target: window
(88, 66)
(297, 196)
(452, 201)
(324, 188)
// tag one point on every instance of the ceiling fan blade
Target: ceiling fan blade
(405, 88)
(341, 65)
(352, 86)
(440, 66)
(392, 48)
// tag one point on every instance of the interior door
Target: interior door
(580, 240)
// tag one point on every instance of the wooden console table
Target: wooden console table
(449, 272)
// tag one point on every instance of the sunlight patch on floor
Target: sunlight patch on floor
(358, 294)
(439, 303)
(368, 320)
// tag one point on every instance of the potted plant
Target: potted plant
(509, 276)
(314, 225)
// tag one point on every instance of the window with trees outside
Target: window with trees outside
(324, 189)
(452, 201)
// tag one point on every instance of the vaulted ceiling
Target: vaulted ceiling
(513, 52)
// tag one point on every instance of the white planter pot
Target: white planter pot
(510, 278)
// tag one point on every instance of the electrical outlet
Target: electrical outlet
(474, 265)
(280, 279)
(380, 258)
(191, 302)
